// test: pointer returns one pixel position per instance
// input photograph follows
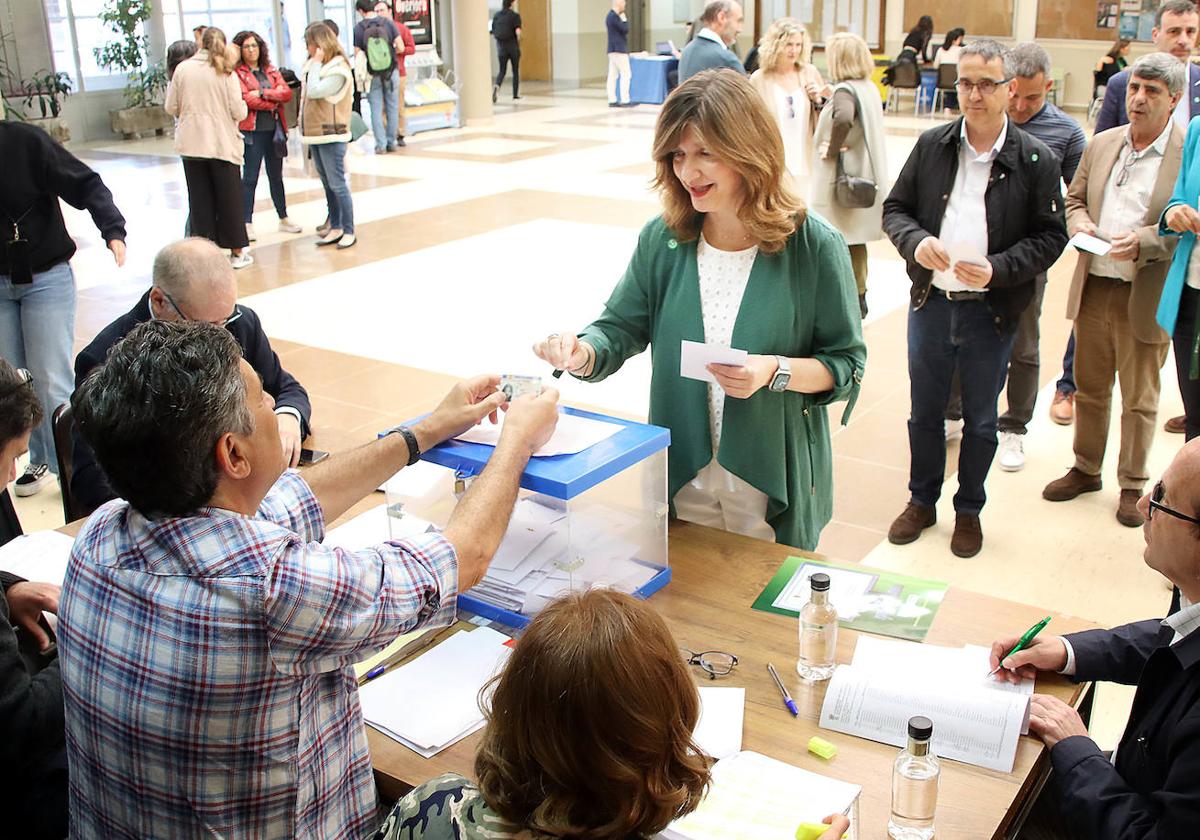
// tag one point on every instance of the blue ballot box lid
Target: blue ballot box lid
(564, 476)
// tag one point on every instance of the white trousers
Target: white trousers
(618, 66)
(719, 499)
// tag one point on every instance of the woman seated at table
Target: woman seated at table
(791, 88)
(1111, 63)
(734, 261)
(951, 47)
(589, 735)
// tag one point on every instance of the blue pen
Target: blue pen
(787, 698)
(374, 672)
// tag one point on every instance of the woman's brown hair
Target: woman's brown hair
(264, 56)
(321, 35)
(589, 731)
(731, 122)
(215, 45)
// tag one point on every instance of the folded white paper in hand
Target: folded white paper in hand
(694, 357)
(1091, 244)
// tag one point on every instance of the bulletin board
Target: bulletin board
(979, 18)
(1096, 20)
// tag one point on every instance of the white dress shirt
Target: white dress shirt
(713, 36)
(1125, 206)
(966, 212)
(1184, 623)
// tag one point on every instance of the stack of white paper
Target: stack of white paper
(758, 798)
(433, 701)
(41, 556)
(536, 561)
(373, 527)
(573, 434)
(975, 718)
(719, 730)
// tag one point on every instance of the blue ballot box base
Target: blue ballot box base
(517, 621)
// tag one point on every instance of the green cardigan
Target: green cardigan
(801, 302)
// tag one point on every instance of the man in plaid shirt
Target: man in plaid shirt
(206, 635)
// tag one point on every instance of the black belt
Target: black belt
(960, 296)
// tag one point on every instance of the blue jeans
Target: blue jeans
(943, 335)
(384, 94)
(1066, 384)
(37, 331)
(330, 160)
(260, 146)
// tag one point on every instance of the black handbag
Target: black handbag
(280, 139)
(851, 191)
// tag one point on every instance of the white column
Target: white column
(1025, 23)
(471, 66)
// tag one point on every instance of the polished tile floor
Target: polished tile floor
(474, 243)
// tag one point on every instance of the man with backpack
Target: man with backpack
(377, 38)
(506, 29)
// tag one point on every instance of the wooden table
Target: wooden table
(716, 577)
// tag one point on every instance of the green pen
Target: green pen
(1023, 642)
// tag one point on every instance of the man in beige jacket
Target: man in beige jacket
(1123, 183)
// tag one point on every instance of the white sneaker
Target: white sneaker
(35, 477)
(954, 429)
(250, 233)
(242, 260)
(1012, 451)
(287, 226)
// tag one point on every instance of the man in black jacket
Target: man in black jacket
(37, 288)
(977, 214)
(33, 759)
(193, 281)
(1148, 788)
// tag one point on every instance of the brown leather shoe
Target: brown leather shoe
(1062, 410)
(1127, 512)
(909, 524)
(1176, 425)
(1070, 485)
(968, 535)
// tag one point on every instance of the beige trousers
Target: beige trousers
(618, 67)
(1105, 348)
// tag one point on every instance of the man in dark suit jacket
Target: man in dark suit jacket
(193, 281)
(1177, 24)
(711, 48)
(1148, 789)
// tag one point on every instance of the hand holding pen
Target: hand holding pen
(1017, 657)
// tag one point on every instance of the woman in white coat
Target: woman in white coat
(793, 90)
(851, 125)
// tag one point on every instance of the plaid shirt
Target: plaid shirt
(206, 674)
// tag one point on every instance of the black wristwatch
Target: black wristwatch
(414, 450)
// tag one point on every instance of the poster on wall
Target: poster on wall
(1128, 28)
(1106, 15)
(417, 15)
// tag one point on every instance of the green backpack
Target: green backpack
(380, 56)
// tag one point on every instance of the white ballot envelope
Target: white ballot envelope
(1090, 244)
(694, 356)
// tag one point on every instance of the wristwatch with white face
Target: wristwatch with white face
(783, 375)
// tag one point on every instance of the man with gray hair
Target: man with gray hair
(711, 49)
(977, 215)
(1123, 185)
(193, 281)
(1028, 108)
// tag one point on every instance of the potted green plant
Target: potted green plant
(129, 53)
(43, 94)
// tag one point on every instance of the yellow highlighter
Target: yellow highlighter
(811, 831)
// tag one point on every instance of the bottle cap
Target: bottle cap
(920, 728)
(819, 582)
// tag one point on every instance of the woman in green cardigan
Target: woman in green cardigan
(734, 260)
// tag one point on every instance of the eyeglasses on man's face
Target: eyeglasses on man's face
(224, 322)
(1156, 497)
(986, 87)
(715, 663)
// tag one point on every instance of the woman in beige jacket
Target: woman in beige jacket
(205, 96)
(793, 90)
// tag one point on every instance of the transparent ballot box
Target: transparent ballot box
(592, 517)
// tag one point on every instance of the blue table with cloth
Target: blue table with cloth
(648, 81)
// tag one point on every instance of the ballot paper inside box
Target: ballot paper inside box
(596, 517)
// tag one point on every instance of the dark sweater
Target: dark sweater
(618, 33)
(37, 173)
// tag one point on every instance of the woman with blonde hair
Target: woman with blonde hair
(850, 129)
(325, 104)
(589, 736)
(735, 261)
(792, 89)
(206, 98)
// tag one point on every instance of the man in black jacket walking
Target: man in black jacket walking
(977, 214)
(37, 287)
(1147, 789)
(193, 282)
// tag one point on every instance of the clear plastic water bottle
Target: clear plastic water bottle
(818, 632)
(914, 785)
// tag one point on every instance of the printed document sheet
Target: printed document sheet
(41, 556)
(572, 434)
